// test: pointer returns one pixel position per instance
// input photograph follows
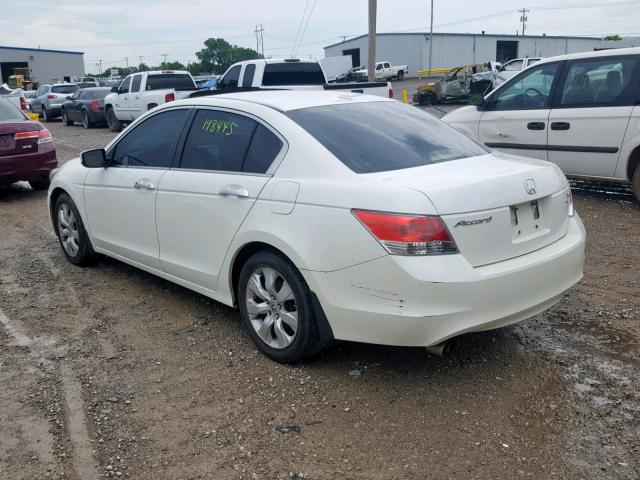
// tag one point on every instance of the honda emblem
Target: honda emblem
(530, 186)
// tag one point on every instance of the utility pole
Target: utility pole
(259, 40)
(164, 55)
(140, 57)
(126, 59)
(100, 66)
(523, 18)
(431, 39)
(371, 64)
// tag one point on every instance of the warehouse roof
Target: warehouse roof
(450, 34)
(40, 50)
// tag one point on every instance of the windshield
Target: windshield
(64, 88)
(381, 136)
(9, 112)
(177, 81)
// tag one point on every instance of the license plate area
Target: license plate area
(527, 221)
(6, 142)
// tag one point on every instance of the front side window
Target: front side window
(151, 142)
(598, 82)
(382, 136)
(124, 86)
(218, 141)
(76, 95)
(513, 66)
(135, 83)
(230, 80)
(527, 91)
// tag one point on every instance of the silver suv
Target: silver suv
(49, 99)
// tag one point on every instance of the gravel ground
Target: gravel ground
(111, 372)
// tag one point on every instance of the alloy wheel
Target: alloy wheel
(68, 229)
(271, 306)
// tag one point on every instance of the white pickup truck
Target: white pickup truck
(290, 74)
(14, 96)
(143, 91)
(384, 71)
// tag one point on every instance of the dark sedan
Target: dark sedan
(26, 149)
(85, 106)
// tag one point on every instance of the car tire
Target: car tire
(635, 181)
(45, 116)
(65, 119)
(71, 233)
(86, 123)
(276, 308)
(400, 75)
(115, 125)
(39, 184)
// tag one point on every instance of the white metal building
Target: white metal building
(46, 66)
(456, 49)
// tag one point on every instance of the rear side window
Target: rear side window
(381, 136)
(230, 80)
(263, 150)
(151, 142)
(218, 141)
(292, 73)
(64, 88)
(599, 82)
(9, 112)
(135, 83)
(249, 72)
(177, 81)
(515, 65)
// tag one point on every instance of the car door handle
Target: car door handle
(535, 125)
(560, 125)
(144, 183)
(234, 191)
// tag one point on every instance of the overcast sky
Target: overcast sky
(114, 29)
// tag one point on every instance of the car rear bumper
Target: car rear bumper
(423, 301)
(54, 110)
(30, 166)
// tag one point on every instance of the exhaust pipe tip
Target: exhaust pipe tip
(443, 349)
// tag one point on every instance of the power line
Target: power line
(304, 12)
(304, 30)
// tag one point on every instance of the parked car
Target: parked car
(384, 71)
(290, 74)
(85, 106)
(26, 149)
(49, 99)
(578, 111)
(498, 73)
(325, 215)
(16, 96)
(143, 91)
(29, 95)
(454, 85)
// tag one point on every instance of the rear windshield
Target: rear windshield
(96, 94)
(292, 73)
(381, 136)
(64, 88)
(9, 112)
(177, 81)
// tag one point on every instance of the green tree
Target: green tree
(218, 54)
(613, 37)
(172, 66)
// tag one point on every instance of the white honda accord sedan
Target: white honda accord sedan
(325, 216)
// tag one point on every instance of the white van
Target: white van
(580, 111)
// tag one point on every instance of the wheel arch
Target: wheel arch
(53, 198)
(633, 162)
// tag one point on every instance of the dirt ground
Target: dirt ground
(110, 372)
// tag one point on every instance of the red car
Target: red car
(26, 149)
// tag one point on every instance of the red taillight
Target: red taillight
(95, 105)
(23, 103)
(44, 136)
(390, 93)
(402, 234)
(26, 135)
(167, 71)
(51, 97)
(169, 97)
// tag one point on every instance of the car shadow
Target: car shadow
(19, 191)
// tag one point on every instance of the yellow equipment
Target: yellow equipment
(22, 78)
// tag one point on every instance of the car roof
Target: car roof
(613, 52)
(277, 60)
(286, 100)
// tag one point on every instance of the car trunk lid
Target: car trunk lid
(495, 206)
(9, 145)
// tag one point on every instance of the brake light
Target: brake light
(26, 135)
(167, 71)
(23, 103)
(44, 136)
(95, 106)
(169, 97)
(51, 97)
(402, 234)
(390, 93)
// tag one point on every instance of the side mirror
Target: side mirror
(96, 158)
(476, 99)
(114, 89)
